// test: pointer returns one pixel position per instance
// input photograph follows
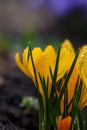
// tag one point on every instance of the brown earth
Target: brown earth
(13, 87)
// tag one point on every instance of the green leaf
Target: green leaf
(47, 104)
(79, 90)
(77, 94)
(65, 114)
(55, 73)
(33, 66)
(85, 120)
(73, 115)
(80, 120)
(76, 127)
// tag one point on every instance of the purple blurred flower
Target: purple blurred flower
(58, 7)
(61, 7)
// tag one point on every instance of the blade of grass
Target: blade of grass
(75, 109)
(65, 114)
(47, 104)
(86, 120)
(33, 65)
(55, 73)
(49, 109)
(76, 97)
(76, 127)
(80, 120)
(79, 90)
(73, 115)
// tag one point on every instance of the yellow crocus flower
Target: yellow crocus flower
(43, 60)
(82, 62)
(72, 81)
(81, 70)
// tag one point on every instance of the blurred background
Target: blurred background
(41, 22)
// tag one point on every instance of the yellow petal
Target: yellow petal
(50, 51)
(43, 64)
(36, 54)
(51, 54)
(83, 97)
(63, 67)
(68, 45)
(72, 83)
(84, 74)
(65, 61)
(42, 68)
(20, 65)
(82, 67)
(25, 56)
(25, 63)
(82, 61)
(82, 49)
(71, 87)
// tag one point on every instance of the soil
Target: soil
(14, 85)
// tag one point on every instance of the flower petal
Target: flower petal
(64, 124)
(65, 61)
(43, 64)
(82, 67)
(82, 49)
(72, 83)
(25, 56)
(82, 61)
(83, 97)
(42, 67)
(20, 65)
(36, 54)
(68, 45)
(51, 54)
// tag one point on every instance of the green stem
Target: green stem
(42, 117)
(44, 120)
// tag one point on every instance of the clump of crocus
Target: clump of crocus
(43, 61)
(61, 80)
